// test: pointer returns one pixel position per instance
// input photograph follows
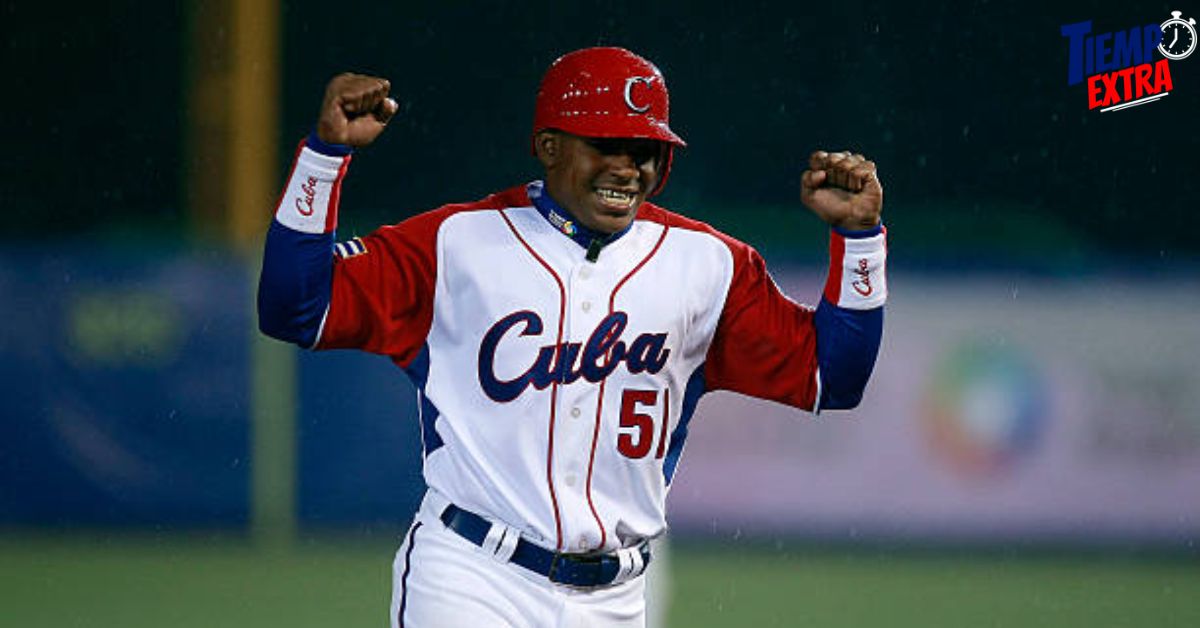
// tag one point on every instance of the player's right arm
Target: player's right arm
(296, 283)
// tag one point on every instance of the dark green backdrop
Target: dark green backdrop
(984, 148)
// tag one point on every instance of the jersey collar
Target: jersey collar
(564, 223)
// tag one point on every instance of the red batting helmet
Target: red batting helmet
(606, 92)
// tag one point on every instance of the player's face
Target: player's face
(602, 181)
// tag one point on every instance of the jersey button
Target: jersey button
(570, 479)
(587, 305)
(585, 272)
(575, 412)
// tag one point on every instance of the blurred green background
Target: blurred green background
(201, 582)
(162, 464)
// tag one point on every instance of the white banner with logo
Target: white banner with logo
(1016, 408)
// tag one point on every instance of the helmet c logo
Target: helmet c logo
(629, 83)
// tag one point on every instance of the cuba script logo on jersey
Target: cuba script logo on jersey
(304, 204)
(565, 363)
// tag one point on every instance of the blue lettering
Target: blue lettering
(565, 363)
(1090, 47)
(565, 369)
(1103, 64)
(540, 374)
(647, 353)
(1127, 48)
(1151, 37)
(606, 337)
(1107, 52)
(495, 388)
(1075, 37)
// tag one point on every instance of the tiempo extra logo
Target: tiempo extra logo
(1120, 67)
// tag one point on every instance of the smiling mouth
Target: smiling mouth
(616, 199)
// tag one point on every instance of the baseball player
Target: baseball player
(560, 334)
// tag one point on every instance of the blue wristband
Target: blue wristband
(865, 233)
(332, 150)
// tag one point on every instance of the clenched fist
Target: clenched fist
(843, 189)
(356, 109)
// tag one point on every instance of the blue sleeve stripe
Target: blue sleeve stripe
(847, 344)
(418, 372)
(295, 285)
(691, 396)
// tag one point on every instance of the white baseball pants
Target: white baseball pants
(440, 579)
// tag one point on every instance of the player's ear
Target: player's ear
(548, 145)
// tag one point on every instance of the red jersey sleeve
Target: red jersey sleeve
(765, 344)
(382, 297)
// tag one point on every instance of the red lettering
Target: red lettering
(1162, 77)
(1093, 91)
(305, 205)
(1126, 74)
(1110, 89)
(1143, 79)
(863, 285)
(1133, 83)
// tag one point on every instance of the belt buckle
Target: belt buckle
(579, 560)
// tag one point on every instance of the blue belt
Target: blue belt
(579, 570)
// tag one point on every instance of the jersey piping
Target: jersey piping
(612, 299)
(562, 315)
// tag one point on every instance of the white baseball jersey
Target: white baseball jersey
(555, 390)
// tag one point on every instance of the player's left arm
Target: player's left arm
(844, 190)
